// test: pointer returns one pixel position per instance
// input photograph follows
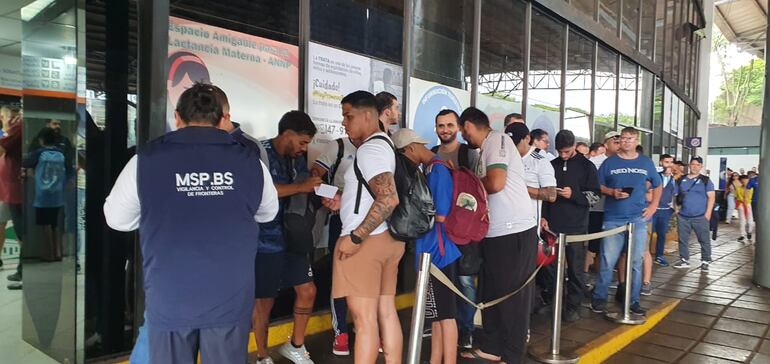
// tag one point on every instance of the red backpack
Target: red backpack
(468, 220)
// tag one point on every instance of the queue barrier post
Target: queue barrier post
(553, 354)
(418, 311)
(626, 317)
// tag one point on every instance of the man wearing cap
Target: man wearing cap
(697, 196)
(441, 305)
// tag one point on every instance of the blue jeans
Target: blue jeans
(465, 312)
(611, 249)
(660, 223)
(141, 352)
(701, 227)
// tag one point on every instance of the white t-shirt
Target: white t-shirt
(374, 157)
(538, 172)
(510, 210)
(329, 155)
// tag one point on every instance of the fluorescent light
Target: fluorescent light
(70, 60)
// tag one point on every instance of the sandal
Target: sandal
(477, 354)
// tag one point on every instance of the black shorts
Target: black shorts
(47, 216)
(274, 271)
(441, 303)
(595, 225)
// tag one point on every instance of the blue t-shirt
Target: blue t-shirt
(441, 187)
(670, 189)
(695, 198)
(284, 170)
(616, 172)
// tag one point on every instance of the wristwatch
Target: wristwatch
(355, 238)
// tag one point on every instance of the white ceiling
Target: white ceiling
(743, 22)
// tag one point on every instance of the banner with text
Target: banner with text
(260, 76)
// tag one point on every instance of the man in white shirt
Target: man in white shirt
(366, 257)
(538, 172)
(332, 164)
(510, 247)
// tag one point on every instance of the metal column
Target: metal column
(762, 245)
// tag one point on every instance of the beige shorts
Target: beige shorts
(371, 272)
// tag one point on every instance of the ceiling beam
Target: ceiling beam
(729, 32)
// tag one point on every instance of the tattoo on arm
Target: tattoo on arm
(548, 194)
(385, 200)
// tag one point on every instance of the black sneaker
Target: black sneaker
(1, 263)
(638, 310)
(16, 277)
(620, 293)
(569, 315)
(741, 239)
(599, 306)
(466, 341)
(15, 286)
(748, 236)
(704, 266)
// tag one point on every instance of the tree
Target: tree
(741, 87)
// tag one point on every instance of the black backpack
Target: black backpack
(415, 212)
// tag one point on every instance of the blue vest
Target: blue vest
(199, 191)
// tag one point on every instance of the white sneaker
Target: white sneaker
(296, 355)
(267, 360)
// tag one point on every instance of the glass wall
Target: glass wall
(606, 92)
(578, 114)
(647, 32)
(442, 42)
(627, 94)
(544, 80)
(501, 63)
(609, 11)
(630, 23)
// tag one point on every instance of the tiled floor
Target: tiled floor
(723, 318)
(675, 338)
(12, 348)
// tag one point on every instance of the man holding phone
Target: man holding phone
(623, 180)
(578, 189)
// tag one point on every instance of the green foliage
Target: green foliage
(741, 87)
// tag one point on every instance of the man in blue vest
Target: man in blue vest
(279, 264)
(196, 196)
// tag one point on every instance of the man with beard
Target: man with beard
(390, 111)
(459, 155)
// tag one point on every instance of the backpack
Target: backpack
(299, 213)
(462, 155)
(468, 219)
(415, 212)
(50, 172)
(336, 166)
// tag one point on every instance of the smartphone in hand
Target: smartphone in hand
(628, 190)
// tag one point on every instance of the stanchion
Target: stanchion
(418, 311)
(553, 355)
(626, 317)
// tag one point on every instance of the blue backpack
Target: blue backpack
(49, 179)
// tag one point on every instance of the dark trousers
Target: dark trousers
(575, 284)
(508, 261)
(215, 345)
(339, 306)
(660, 222)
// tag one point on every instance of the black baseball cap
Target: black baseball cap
(699, 159)
(517, 131)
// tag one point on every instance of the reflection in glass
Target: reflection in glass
(577, 97)
(443, 34)
(608, 14)
(501, 71)
(645, 99)
(606, 91)
(627, 93)
(660, 30)
(546, 60)
(668, 42)
(588, 7)
(647, 33)
(630, 24)
(373, 28)
(657, 123)
(50, 67)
